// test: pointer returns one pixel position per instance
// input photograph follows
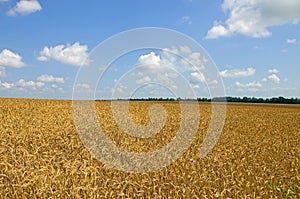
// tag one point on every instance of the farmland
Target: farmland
(41, 154)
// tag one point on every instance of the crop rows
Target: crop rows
(42, 156)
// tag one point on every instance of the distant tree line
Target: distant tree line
(154, 99)
(276, 100)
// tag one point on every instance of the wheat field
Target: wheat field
(42, 156)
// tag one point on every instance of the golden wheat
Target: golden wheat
(42, 156)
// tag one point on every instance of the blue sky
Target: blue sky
(255, 44)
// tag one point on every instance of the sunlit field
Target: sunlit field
(41, 154)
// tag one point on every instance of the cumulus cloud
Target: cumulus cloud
(253, 18)
(188, 62)
(185, 20)
(264, 79)
(22, 84)
(237, 73)
(119, 89)
(274, 70)
(291, 41)
(54, 86)
(75, 55)
(2, 71)
(154, 63)
(195, 59)
(248, 85)
(50, 78)
(168, 65)
(10, 59)
(143, 80)
(150, 61)
(156, 67)
(32, 84)
(216, 31)
(5, 85)
(82, 86)
(185, 49)
(198, 76)
(25, 7)
(274, 78)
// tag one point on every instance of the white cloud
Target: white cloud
(31, 84)
(83, 86)
(250, 84)
(183, 59)
(154, 63)
(167, 67)
(54, 86)
(291, 41)
(185, 20)
(274, 70)
(119, 89)
(82, 89)
(185, 49)
(150, 61)
(194, 59)
(75, 55)
(2, 71)
(10, 59)
(170, 51)
(254, 17)
(213, 82)
(143, 80)
(5, 85)
(237, 73)
(22, 84)
(216, 31)
(198, 76)
(274, 78)
(50, 78)
(264, 79)
(25, 7)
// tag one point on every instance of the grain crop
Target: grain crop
(42, 156)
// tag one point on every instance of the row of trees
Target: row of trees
(277, 100)
(281, 100)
